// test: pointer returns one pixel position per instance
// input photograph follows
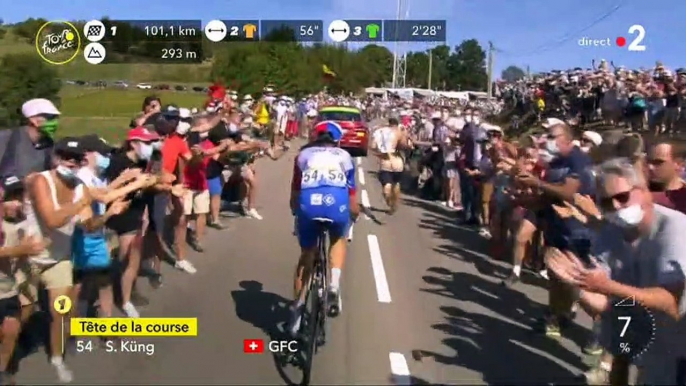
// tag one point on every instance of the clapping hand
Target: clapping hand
(130, 174)
(31, 245)
(568, 210)
(587, 206)
(568, 268)
(178, 190)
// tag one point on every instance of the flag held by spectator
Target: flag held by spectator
(327, 71)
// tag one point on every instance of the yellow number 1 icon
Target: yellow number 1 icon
(62, 304)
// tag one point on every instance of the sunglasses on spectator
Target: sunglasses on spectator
(622, 199)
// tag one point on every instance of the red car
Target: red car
(356, 136)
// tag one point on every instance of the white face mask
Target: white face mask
(233, 128)
(476, 120)
(545, 156)
(182, 128)
(628, 217)
(585, 149)
(551, 146)
(468, 118)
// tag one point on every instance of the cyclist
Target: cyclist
(323, 187)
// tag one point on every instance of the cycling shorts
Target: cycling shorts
(328, 203)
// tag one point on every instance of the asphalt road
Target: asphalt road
(422, 304)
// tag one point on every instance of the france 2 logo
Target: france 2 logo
(640, 32)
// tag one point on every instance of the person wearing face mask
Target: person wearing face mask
(28, 149)
(176, 154)
(90, 250)
(13, 245)
(128, 225)
(568, 173)
(56, 199)
(471, 137)
(638, 255)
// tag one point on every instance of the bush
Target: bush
(22, 77)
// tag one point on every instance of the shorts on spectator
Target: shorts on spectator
(10, 307)
(450, 170)
(215, 186)
(390, 178)
(54, 276)
(196, 202)
(243, 171)
(94, 278)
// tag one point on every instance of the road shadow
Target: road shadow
(267, 311)
(489, 329)
(264, 310)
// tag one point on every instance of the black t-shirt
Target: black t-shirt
(216, 135)
(132, 218)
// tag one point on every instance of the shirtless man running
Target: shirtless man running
(388, 140)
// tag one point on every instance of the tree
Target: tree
(467, 67)
(512, 74)
(28, 29)
(23, 77)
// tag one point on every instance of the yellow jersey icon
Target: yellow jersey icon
(249, 30)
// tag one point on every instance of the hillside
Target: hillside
(79, 69)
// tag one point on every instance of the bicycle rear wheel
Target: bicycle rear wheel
(312, 332)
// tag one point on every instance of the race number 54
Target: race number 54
(640, 34)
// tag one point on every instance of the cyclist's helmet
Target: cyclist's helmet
(328, 131)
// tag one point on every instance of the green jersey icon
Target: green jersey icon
(372, 30)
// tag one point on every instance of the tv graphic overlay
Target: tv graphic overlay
(58, 42)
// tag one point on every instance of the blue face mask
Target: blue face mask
(66, 173)
(101, 162)
(145, 151)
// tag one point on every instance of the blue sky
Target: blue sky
(542, 34)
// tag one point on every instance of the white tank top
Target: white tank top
(61, 238)
(386, 141)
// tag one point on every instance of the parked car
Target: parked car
(198, 89)
(70, 82)
(81, 82)
(121, 83)
(180, 88)
(144, 86)
(100, 83)
(356, 133)
(162, 87)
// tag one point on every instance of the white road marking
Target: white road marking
(399, 369)
(358, 161)
(361, 175)
(382, 291)
(365, 202)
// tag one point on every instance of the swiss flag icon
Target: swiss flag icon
(253, 346)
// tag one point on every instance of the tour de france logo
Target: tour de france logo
(58, 42)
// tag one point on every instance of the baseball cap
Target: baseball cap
(12, 186)
(142, 134)
(171, 111)
(593, 136)
(70, 148)
(38, 106)
(550, 122)
(94, 143)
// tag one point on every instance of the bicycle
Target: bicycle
(313, 333)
